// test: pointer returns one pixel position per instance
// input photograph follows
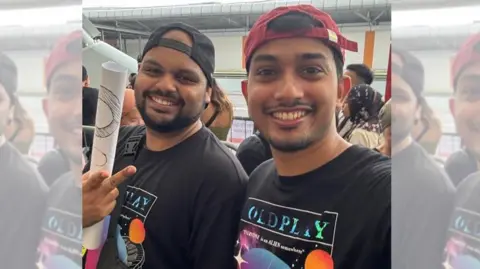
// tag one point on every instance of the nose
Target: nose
(289, 89)
(166, 83)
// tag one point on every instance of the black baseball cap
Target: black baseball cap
(411, 71)
(8, 76)
(202, 50)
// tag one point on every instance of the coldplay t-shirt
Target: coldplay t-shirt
(463, 245)
(61, 241)
(336, 216)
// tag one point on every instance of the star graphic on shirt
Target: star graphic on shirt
(447, 264)
(239, 259)
(40, 265)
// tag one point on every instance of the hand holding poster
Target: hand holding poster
(109, 110)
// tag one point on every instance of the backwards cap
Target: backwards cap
(468, 54)
(328, 31)
(202, 50)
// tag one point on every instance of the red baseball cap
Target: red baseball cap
(260, 34)
(66, 49)
(468, 54)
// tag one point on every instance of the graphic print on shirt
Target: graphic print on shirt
(275, 236)
(61, 242)
(463, 245)
(138, 204)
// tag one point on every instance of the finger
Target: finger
(109, 208)
(93, 180)
(112, 195)
(112, 182)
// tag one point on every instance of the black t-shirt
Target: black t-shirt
(61, 242)
(22, 204)
(339, 211)
(252, 152)
(422, 198)
(462, 250)
(459, 165)
(183, 205)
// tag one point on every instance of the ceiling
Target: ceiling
(24, 4)
(133, 23)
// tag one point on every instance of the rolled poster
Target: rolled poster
(107, 124)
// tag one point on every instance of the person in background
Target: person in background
(317, 184)
(23, 191)
(61, 244)
(385, 125)
(130, 114)
(465, 109)
(90, 100)
(21, 130)
(359, 74)
(427, 131)
(254, 150)
(422, 194)
(361, 109)
(218, 116)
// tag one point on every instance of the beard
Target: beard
(292, 146)
(179, 122)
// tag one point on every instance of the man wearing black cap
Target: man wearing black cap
(23, 192)
(321, 202)
(422, 194)
(186, 195)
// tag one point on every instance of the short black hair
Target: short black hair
(84, 73)
(298, 22)
(363, 72)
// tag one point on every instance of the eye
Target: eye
(186, 79)
(265, 72)
(151, 70)
(311, 70)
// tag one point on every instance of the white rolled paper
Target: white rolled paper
(107, 124)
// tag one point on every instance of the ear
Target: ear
(45, 106)
(244, 89)
(343, 86)
(451, 104)
(208, 95)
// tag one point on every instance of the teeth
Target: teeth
(289, 115)
(161, 101)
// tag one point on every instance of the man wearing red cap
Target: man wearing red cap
(465, 108)
(321, 202)
(61, 242)
(463, 246)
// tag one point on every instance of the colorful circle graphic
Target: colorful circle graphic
(318, 259)
(136, 231)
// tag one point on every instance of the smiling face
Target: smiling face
(293, 88)
(466, 108)
(63, 109)
(170, 89)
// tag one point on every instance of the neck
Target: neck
(316, 155)
(156, 141)
(400, 146)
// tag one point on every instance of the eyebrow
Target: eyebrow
(152, 62)
(304, 56)
(183, 70)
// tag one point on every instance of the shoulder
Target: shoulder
(372, 167)
(220, 165)
(125, 132)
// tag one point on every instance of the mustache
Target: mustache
(288, 105)
(174, 96)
